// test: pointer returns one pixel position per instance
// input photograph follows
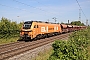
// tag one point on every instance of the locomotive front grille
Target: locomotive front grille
(26, 33)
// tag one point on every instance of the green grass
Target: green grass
(89, 44)
(44, 55)
(88, 49)
(8, 40)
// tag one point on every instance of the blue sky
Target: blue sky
(44, 10)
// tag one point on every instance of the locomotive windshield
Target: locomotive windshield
(27, 25)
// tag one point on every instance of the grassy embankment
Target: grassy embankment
(8, 40)
(44, 55)
(89, 43)
(89, 50)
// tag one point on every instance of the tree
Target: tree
(8, 28)
(77, 23)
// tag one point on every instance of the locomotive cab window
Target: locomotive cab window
(35, 26)
(27, 25)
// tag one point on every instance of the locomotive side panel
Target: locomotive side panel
(48, 28)
(42, 29)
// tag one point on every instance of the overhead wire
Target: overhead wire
(47, 7)
(81, 8)
(28, 5)
(43, 4)
(38, 2)
(33, 6)
(20, 8)
(11, 7)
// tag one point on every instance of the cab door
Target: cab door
(35, 31)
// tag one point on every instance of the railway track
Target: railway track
(8, 45)
(10, 50)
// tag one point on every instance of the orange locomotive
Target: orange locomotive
(38, 29)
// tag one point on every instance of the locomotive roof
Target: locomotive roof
(28, 22)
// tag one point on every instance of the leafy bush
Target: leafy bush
(8, 28)
(73, 49)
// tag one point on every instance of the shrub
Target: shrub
(73, 49)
